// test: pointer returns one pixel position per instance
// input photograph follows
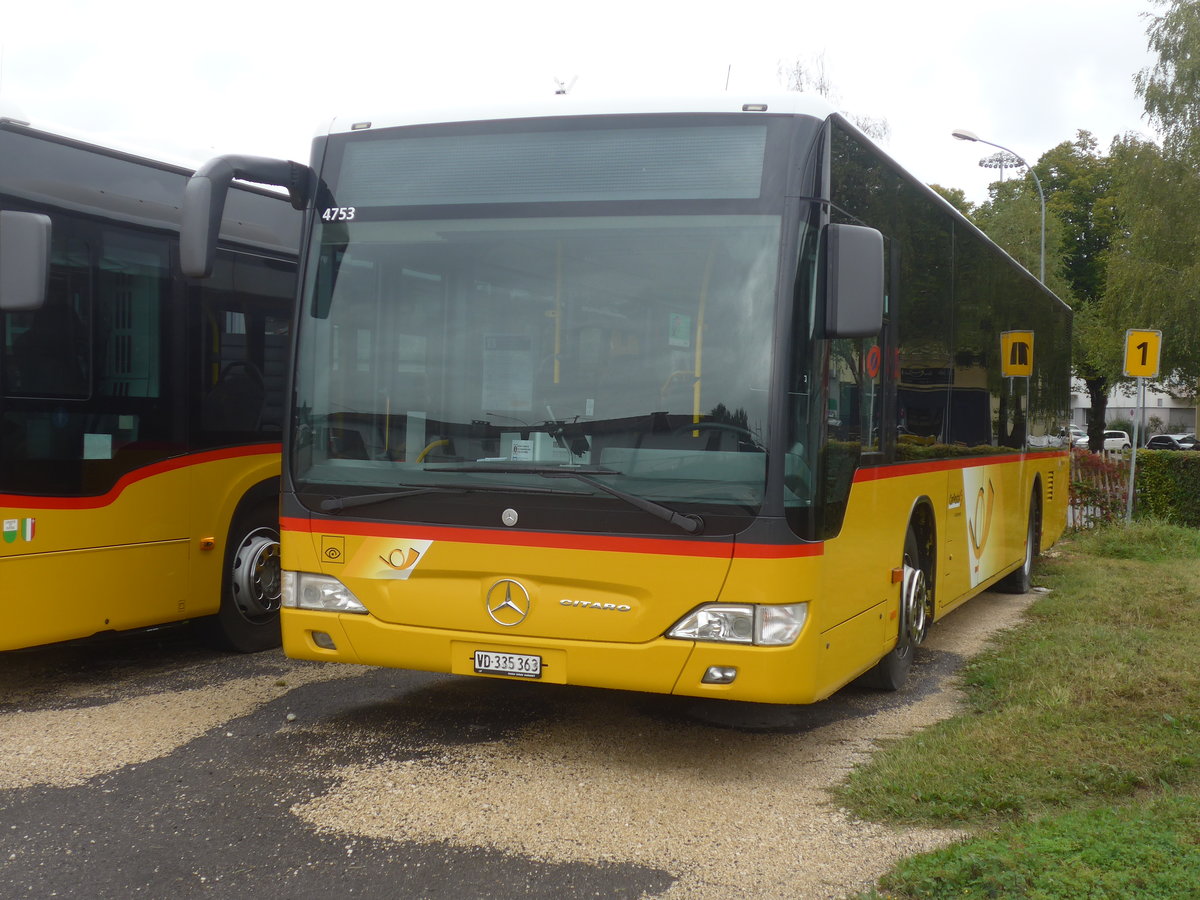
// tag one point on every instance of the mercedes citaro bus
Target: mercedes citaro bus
(141, 412)
(702, 397)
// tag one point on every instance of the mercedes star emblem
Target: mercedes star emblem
(508, 602)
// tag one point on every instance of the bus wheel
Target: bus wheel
(891, 672)
(248, 620)
(1020, 581)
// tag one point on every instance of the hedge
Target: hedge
(1168, 485)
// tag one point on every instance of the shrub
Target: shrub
(1168, 486)
(1098, 488)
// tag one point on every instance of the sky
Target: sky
(185, 82)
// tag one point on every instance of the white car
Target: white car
(1113, 440)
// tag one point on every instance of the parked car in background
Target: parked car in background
(1113, 440)
(1116, 440)
(1173, 442)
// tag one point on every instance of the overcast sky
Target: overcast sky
(188, 81)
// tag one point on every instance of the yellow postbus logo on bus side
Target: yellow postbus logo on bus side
(388, 558)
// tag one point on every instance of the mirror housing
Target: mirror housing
(24, 260)
(853, 281)
(204, 202)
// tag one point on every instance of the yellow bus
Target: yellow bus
(141, 413)
(703, 398)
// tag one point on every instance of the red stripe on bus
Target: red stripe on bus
(897, 470)
(777, 551)
(133, 477)
(553, 540)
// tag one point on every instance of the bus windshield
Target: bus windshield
(480, 351)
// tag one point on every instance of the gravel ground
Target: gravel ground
(731, 799)
(729, 813)
(127, 731)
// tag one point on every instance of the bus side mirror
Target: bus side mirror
(204, 202)
(853, 281)
(24, 260)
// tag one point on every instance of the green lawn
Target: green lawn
(1077, 766)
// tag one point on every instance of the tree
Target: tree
(1171, 88)
(1153, 265)
(1079, 184)
(812, 77)
(956, 197)
(1012, 217)
(1081, 221)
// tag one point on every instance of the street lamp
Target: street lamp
(963, 135)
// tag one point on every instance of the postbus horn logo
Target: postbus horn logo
(401, 558)
(980, 523)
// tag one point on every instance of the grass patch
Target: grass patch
(1143, 539)
(1148, 850)
(1084, 728)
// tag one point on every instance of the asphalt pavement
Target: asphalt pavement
(148, 765)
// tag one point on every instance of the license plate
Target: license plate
(520, 665)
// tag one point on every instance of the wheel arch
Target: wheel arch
(1037, 496)
(247, 629)
(923, 522)
(256, 496)
(891, 672)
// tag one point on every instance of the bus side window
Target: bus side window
(245, 347)
(49, 352)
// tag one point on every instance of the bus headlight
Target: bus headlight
(717, 622)
(304, 590)
(778, 626)
(743, 623)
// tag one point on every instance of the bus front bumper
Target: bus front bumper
(663, 666)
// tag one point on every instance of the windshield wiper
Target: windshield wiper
(688, 522)
(507, 468)
(333, 504)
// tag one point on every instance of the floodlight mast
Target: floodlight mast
(964, 134)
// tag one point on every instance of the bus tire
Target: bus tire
(891, 672)
(1020, 581)
(248, 620)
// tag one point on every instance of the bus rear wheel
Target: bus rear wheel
(248, 620)
(916, 607)
(1020, 581)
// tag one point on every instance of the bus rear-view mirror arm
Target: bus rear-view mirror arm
(853, 281)
(24, 260)
(204, 202)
